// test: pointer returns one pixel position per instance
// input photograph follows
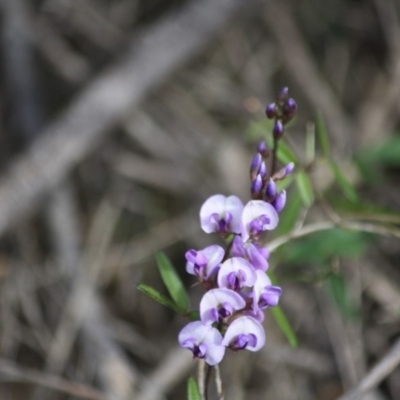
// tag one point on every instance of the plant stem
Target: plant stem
(207, 382)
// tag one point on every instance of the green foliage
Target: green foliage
(346, 186)
(290, 214)
(386, 154)
(323, 136)
(321, 246)
(157, 296)
(340, 293)
(310, 143)
(285, 325)
(305, 188)
(193, 391)
(173, 283)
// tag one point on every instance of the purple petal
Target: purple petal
(217, 299)
(209, 258)
(255, 335)
(204, 341)
(235, 269)
(260, 211)
(221, 214)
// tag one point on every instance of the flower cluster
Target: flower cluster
(238, 291)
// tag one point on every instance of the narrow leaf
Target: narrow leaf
(285, 325)
(310, 142)
(157, 296)
(305, 188)
(172, 282)
(193, 390)
(346, 186)
(323, 135)
(285, 154)
(341, 296)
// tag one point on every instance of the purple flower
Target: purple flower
(255, 166)
(264, 294)
(236, 273)
(244, 333)
(257, 217)
(205, 262)
(221, 214)
(271, 189)
(219, 304)
(256, 187)
(280, 201)
(256, 256)
(203, 341)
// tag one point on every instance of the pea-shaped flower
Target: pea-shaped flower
(205, 262)
(221, 214)
(203, 341)
(256, 256)
(219, 304)
(236, 273)
(244, 333)
(258, 216)
(264, 294)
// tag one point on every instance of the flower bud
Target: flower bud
(262, 148)
(255, 166)
(280, 201)
(270, 190)
(263, 171)
(278, 130)
(271, 111)
(283, 94)
(289, 110)
(256, 187)
(289, 168)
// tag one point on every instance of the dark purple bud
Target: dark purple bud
(270, 190)
(263, 170)
(278, 130)
(271, 111)
(283, 94)
(256, 187)
(289, 110)
(280, 201)
(262, 148)
(290, 107)
(255, 166)
(289, 168)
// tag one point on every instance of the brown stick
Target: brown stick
(151, 58)
(13, 372)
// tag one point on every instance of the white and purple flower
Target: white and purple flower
(255, 255)
(204, 263)
(264, 293)
(219, 304)
(244, 333)
(203, 341)
(236, 273)
(258, 216)
(221, 214)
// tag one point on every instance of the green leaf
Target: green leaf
(285, 325)
(285, 154)
(386, 153)
(290, 214)
(193, 390)
(346, 186)
(194, 315)
(157, 296)
(323, 135)
(319, 247)
(305, 188)
(340, 293)
(172, 282)
(310, 142)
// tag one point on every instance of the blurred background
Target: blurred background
(118, 118)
